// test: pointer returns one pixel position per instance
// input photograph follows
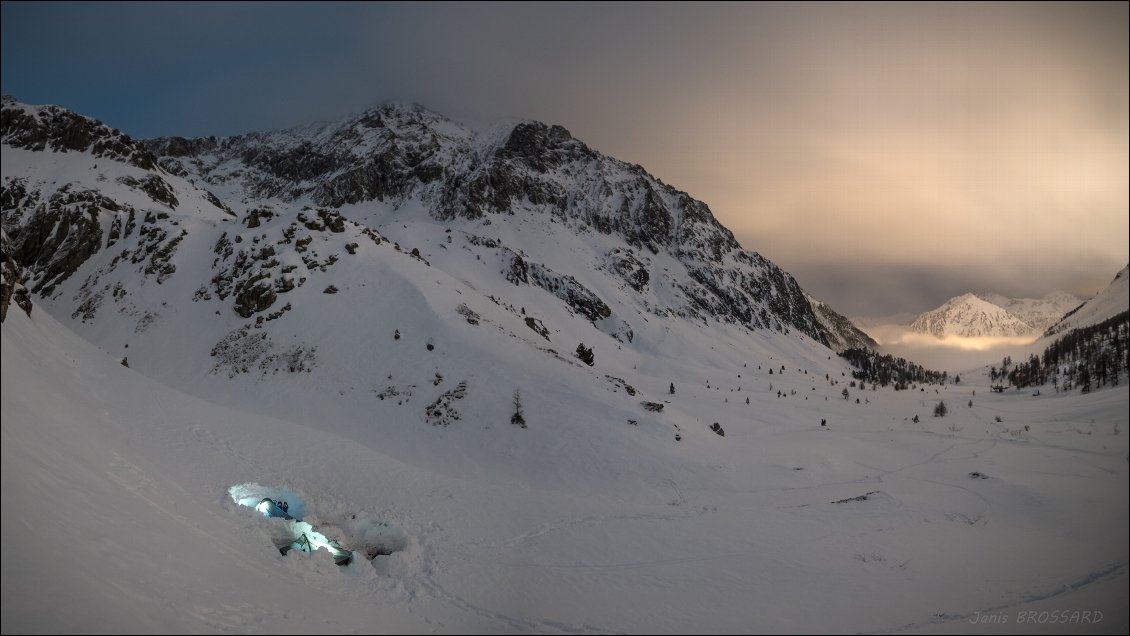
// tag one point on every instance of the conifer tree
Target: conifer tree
(517, 417)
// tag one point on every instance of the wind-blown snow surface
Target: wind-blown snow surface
(117, 516)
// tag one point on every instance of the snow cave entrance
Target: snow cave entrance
(355, 534)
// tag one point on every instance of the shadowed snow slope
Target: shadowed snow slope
(117, 515)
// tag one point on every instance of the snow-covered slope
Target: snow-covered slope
(265, 299)
(1108, 303)
(522, 216)
(841, 332)
(969, 316)
(118, 516)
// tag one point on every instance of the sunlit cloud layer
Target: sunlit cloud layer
(953, 353)
(898, 335)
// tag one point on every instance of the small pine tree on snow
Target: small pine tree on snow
(940, 409)
(672, 389)
(845, 394)
(517, 418)
(585, 354)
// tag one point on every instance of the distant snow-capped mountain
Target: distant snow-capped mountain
(990, 314)
(1038, 313)
(968, 316)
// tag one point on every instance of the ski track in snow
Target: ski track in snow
(1107, 572)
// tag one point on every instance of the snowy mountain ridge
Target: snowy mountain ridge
(1110, 302)
(207, 273)
(969, 316)
(991, 314)
(1038, 313)
(403, 158)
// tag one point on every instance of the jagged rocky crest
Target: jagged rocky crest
(60, 130)
(397, 151)
(393, 154)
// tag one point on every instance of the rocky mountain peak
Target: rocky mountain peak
(542, 147)
(663, 249)
(970, 316)
(60, 130)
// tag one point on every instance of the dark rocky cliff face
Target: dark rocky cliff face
(52, 238)
(12, 279)
(51, 228)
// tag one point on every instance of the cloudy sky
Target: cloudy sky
(887, 155)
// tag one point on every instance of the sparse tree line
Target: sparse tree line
(887, 370)
(1085, 359)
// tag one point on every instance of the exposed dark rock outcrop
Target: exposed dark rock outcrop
(58, 129)
(11, 281)
(53, 238)
(154, 186)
